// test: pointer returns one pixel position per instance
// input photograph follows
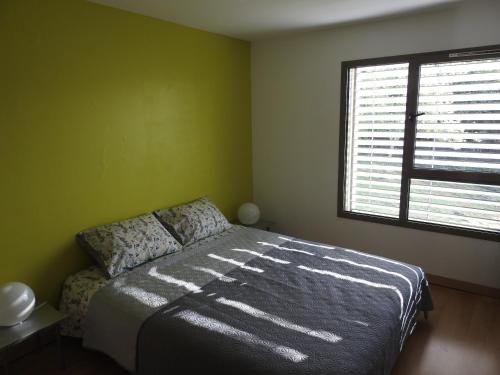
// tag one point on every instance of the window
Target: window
(420, 141)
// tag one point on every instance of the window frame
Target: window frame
(408, 170)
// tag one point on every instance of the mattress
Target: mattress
(77, 291)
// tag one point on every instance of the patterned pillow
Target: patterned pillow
(127, 244)
(193, 221)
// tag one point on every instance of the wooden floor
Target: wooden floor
(462, 336)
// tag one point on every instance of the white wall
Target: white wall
(296, 86)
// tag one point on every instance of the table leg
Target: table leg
(38, 341)
(5, 363)
(62, 360)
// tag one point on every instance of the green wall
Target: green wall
(105, 115)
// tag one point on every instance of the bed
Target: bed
(249, 301)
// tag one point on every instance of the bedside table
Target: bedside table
(261, 224)
(43, 317)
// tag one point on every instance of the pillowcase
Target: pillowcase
(193, 221)
(126, 244)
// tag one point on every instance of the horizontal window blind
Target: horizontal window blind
(375, 137)
(456, 204)
(460, 127)
(447, 179)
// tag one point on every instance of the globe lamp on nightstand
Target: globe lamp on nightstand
(248, 213)
(17, 302)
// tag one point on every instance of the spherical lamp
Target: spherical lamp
(17, 301)
(248, 213)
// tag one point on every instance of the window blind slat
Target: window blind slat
(479, 87)
(465, 98)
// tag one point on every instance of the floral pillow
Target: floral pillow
(124, 245)
(193, 221)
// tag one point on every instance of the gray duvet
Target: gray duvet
(255, 302)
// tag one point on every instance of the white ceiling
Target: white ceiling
(258, 19)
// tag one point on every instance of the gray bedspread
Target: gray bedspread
(255, 302)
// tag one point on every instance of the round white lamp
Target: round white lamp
(17, 302)
(248, 213)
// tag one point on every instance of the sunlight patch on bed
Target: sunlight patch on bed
(307, 243)
(388, 261)
(212, 272)
(378, 269)
(411, 303)
(367, 266)
(166, 311)
(236, 263)
(143, 296)
(284, 248)
(405, 331)
(359, 253)
(275, 260)
(359, 322)
(358, 281)
(323, 335)
(214, 325)
(406, 321)
(172, 280)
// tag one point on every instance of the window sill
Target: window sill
(483, 235)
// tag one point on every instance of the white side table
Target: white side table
(43, 317)
(261, 224)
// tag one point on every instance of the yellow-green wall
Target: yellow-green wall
(105, 115)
